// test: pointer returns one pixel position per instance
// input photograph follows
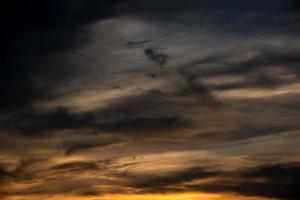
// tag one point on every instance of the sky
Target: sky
(150, 100)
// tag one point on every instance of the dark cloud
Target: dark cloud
(58, 179)
(20, 173)
(83, 144)
(34, 30)
(268, 69)
(142, 124)
(242, 16)
(136, 44)
(259, 81)
(289, 59)
(278, 181)
(127, 115)
(244, 132)
(38, 64)
(3, 174)
(188, 175)
(180, 6)
(151, 111)
(155, 56)
(289, 101)
(31, 123)
(52, 21)
(76, 166)
(275, 181)
(194, 86)
(90, 192)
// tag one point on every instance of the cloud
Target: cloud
(3, 174)
(274, 181)
(229, 15)
(20, 173)
(178, 178)
(86, 144)
(195, 87)
(65, 178)
(157, 57)
(145, 124)
(267, 69)
(75, 166)
(263, 59)
(37, 123)
(128, 115)
(277, 181)
(80, 93)
(136, 44)
(35, 30)
(244, 132)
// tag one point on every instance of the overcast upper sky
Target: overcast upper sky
(150, 100)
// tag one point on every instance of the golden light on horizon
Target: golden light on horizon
(167, 196)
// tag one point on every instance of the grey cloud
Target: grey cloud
(38, 35)
(133, 115)
(155, 56)
(280, 181)
(195, 87)
(86, 144)
(244, 132)
(256, 72)
(142, 124)
(136, 44)
(35, 31)
(37, 123)
(230, 15)
(58, 179)
(170, 179)
(289, 59)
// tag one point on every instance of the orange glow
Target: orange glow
(181, 196)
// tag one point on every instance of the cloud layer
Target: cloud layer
(174, 99)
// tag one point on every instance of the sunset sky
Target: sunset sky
(150, 100)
